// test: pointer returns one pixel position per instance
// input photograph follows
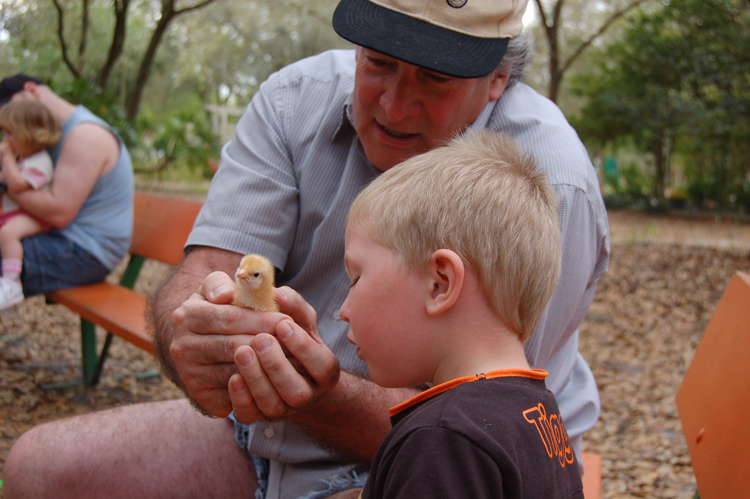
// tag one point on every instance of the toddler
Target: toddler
(29, 130)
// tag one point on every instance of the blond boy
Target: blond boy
(453, 256)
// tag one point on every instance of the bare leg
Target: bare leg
(13, 231)
(159, 450)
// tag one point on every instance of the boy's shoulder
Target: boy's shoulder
(478, 435)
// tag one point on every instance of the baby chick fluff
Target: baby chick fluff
(254, 283)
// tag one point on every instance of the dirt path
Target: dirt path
(709, 231)
(646, 320)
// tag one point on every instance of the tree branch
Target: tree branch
(193, 7)
(543, 14)
(599, 33)
(84, 34)
(61, 36)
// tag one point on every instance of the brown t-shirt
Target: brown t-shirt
(498, 435)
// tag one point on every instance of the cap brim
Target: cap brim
(417, 42)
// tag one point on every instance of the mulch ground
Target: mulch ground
(665, 279)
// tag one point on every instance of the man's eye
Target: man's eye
(438, 78)
(351, 285)
(377, 62)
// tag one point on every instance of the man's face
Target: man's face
(28, 92)
(401, 110)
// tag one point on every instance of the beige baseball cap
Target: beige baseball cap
(459, 38)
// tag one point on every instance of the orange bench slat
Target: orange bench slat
(592, 476)
(117, 309)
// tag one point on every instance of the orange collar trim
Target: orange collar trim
(444, 387)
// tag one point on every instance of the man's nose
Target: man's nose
(400, 99)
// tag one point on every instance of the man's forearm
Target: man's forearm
(353, 417)
(163, 306)
(197, 265)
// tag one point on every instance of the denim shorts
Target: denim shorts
(338, 482)
(51, 261)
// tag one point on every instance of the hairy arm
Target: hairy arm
(199, 262)
(353, 417)
(89, 152)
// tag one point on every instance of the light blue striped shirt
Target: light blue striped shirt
(284, 187)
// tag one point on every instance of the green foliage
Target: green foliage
(677, 83)
(630, 187)
(183, 139)
(104, 105)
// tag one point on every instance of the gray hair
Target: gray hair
(517, 58)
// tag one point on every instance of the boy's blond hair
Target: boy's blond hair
(31, 123)
(482, 198)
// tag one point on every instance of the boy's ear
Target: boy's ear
(445, 276)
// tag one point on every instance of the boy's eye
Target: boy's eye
(351, 285)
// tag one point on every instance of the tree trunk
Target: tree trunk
(118, 41)
(63, 44)
(134, 102)
(557, 68)
(84, 34)
(657, 147)
(168, 13)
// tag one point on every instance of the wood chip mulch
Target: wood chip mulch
(641, 332)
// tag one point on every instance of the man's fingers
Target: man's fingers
(217, 288)
(201, 317)
(263, 391)
(292, 304)
(318, 360)
(245, 410)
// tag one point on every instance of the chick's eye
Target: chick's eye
(257, 274)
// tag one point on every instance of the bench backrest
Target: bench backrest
(714, 398)
(161, 226)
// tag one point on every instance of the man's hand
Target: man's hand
(206, 332)
(271, 385)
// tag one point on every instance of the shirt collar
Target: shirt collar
(400, 411)
(346, 125)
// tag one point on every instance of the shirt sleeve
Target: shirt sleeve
(585, 257)
(436, 462)
(37, 170)
(252, 204)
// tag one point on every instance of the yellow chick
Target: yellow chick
(253, 284)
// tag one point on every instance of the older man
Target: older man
(313, 136)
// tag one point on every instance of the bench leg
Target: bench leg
(91, 362)
(89, 357)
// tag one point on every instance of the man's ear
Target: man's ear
(30, 86)
(498, 83)
(445, 277)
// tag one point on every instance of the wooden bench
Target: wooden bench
(714, 398)
(592, 475)
(160, 228)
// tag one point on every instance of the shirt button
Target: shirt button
(269, 432)
(337, 315)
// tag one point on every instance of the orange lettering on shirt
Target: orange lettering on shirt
(552, 431)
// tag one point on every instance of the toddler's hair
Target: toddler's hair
(31, 123)
(482, 198)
